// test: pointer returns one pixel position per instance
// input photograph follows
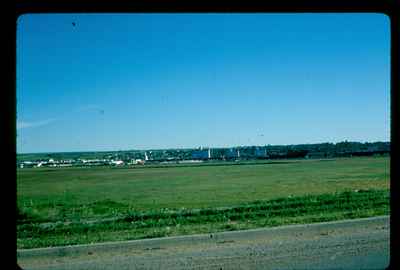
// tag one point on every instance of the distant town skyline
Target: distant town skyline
(91, 82)
(204, 147)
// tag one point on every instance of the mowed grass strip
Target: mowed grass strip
(164, 222)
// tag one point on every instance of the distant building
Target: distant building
(137, 161)
(201, 154)
(28, 164)
(260, 152)
(232, 153)
(117, 162)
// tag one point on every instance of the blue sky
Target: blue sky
(141, 81)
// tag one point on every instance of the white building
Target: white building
(117, 162)
(137, 161)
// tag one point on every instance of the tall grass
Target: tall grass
(163, 222)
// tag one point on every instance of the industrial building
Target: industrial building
(260, 152)
(232, 153)
(201, 154)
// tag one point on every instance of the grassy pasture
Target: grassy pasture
(103, 204)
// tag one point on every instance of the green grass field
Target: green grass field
(61, 206)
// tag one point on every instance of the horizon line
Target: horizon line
(183, 148)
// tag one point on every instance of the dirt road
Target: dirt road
(353, 244)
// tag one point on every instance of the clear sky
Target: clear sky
(89, 82)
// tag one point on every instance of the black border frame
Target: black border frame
(8, 100)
